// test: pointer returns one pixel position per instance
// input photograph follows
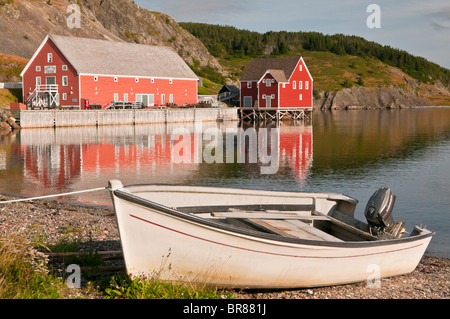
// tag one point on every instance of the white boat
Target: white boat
(242, 238)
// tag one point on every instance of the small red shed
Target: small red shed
(277, 83)
(74, 72)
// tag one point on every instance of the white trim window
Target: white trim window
(170, 81)
(136, 80)
(38, 68)
(64, 96)
(300, 85)
(249, 85)
(38, 80)
(65, 81)
(64, 67)
(300, 97)
(116, 79)
(300, 68)
(294, 85)
(95, 78)
(49, 57)
(306, 85)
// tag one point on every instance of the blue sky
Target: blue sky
(420, 27)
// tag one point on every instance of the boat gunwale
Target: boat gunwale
(124, 194)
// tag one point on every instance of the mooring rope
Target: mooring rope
(55, 195)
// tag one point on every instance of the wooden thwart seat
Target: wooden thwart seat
(293, 229)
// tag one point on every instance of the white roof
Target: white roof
(102, 57)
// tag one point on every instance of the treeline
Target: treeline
(230, 42)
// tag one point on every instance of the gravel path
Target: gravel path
(51, 222)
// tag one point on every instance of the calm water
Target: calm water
(353, 152)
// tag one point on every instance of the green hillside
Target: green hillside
(350, 60)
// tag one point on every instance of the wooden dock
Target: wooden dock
(251, 114)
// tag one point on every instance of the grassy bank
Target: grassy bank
(24, 274)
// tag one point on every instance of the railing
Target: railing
(43, 96)
(50, 88)
(227, 95)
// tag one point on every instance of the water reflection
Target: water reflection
(65, 159)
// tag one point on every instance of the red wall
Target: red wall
(272, 89)
(29, 77)
(102, 91)
(290, 97)
(253, 92)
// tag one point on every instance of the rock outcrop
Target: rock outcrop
(7, 121)
(368, 98)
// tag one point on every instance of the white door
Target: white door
(247, 101)
(268, 101)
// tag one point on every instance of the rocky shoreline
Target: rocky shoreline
(50, 222)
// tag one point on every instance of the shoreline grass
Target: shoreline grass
(25, 274)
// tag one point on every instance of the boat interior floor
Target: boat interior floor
(292, 221)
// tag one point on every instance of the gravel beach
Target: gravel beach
(50, 222)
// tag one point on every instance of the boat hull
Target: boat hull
(157, 241)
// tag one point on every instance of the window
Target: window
(49, 57)
(136, 80)
(171, 98)
(152, 80)
(65, 81)
(64, 96)
(249, 85)
(125, 97)
(38, 68)
(300, 85)
(146, 99)
(307, 85)
(115, 79)
(170, 81)
(163, 99)
(268, 82)
(300, 97)
(293, 85)
(95, 78)
(300, 67)
(116, 97)
(50, 80)
(64, 67)
(38, 80)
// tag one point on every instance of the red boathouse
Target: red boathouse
(78, 72)
(277, 83)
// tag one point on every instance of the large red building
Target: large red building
(277, 83)
(76, 72)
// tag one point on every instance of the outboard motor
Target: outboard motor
(378, 211)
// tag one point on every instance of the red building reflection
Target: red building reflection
(55, 164)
